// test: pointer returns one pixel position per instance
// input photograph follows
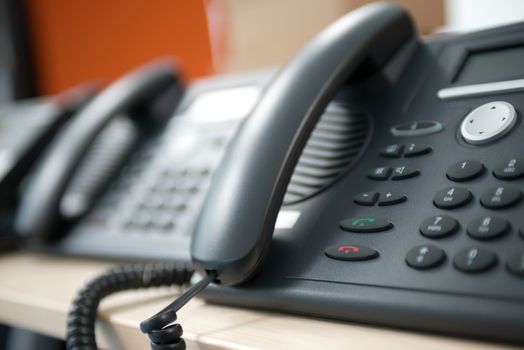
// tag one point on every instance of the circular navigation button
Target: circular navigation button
(465, 170)
(488, 122)
(438, 226)
(510, 169)
(500, 197)
(487, 227)
(425, 257)
(452, 197)
(474, 260)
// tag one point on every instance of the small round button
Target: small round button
(465, 170)
(425, 257)
(488, 122)
(500, 197)
(438, 226)
(487, 227)
(452, 197)
(515, 263)
(509, 169)
(474, 259)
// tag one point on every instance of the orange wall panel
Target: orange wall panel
(80, 40)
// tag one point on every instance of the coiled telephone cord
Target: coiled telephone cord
(161, 329)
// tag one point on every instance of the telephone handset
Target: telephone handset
(235, 226)
(26, 127)
(42, 202)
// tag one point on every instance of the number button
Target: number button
(452, 197)
(425, 257)
(365, 224)
(438, 226)
(474, 259)
(488, 227)
(465, 170)
(500, 197)
(510, 169)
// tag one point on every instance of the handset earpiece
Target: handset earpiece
(38, 212)
(236, 224)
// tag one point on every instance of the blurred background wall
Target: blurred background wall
(75, 41)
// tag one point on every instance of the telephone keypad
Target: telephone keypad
(510, 169)
(391, 198)
(425, 256)
(465, 170)
(473, 260)
(415, 150)
(438, 226)
(452, 197)
(515, 263)
(500, 197)
(380, 173)
(404, 172)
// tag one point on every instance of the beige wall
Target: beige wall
(261, 33)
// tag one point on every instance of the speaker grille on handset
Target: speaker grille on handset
(335, 142)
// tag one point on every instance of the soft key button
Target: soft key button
(488, 122)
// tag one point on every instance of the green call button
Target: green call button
(365, 224)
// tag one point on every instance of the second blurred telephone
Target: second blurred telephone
(123, 179)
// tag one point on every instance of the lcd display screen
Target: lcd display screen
(491, 66)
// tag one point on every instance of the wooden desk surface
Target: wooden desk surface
(36, 291)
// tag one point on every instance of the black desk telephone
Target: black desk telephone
(391, 165)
